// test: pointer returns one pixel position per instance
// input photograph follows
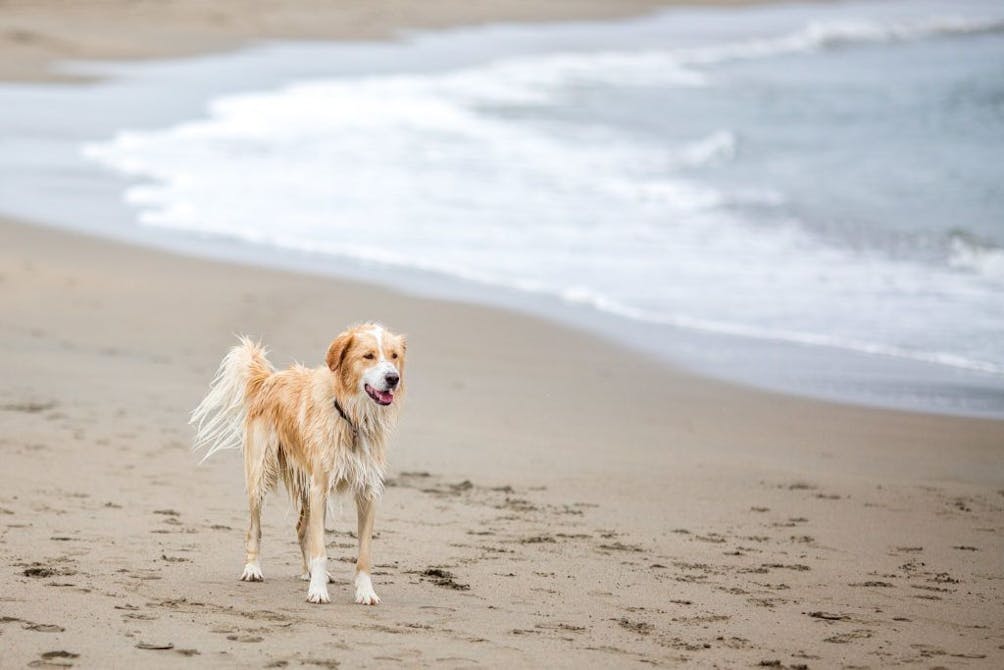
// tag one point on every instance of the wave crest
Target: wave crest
(983, 259)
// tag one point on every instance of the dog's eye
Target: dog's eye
(394, 355)
(369, 356)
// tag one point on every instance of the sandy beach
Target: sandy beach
(555, 499)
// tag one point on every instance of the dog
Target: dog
(320, 430)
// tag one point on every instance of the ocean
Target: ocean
(821, 182)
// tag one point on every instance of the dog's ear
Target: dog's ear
(336, 352)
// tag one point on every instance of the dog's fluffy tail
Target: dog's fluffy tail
(219, 418)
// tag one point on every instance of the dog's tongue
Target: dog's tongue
(386, 397)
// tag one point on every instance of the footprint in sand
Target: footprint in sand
(55, 659)
(640, 627)
(844, 638)
(31, 625)
(441, 577)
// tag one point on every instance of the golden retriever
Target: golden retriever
(320, 430)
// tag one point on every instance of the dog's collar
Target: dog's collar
(345, 417)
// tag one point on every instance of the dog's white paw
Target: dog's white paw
(252, 572)
(318, 594)
(365, 595)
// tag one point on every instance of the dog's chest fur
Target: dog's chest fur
(353, 451)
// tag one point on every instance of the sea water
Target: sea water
(828, 176)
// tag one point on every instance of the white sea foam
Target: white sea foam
(530, 79)
(476, 174)
(718, 146)
(828, 34)
(985, 260)
(585, 296)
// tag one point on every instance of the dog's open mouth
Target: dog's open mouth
(380, 397)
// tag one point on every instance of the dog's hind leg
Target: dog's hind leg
(301, 535)
(259, 471)
(252, 565)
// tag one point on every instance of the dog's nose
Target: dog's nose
(392, 379)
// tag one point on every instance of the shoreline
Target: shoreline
(38, 242)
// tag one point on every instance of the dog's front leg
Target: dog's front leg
(317, 498)
(366, 511)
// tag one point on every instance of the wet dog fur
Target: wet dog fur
(319, 430)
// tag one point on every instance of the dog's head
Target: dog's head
(368, 360)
